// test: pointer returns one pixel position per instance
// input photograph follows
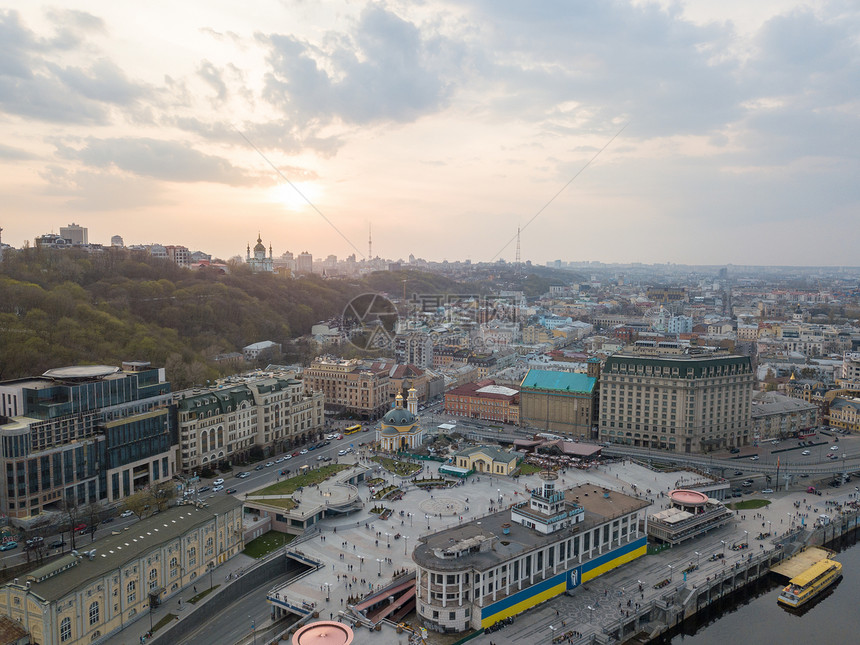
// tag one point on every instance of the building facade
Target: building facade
(85, 434)
(776, 416)
(82, 599)
(559, 401)
(225, 423)
(484, 400)
(348, 386)
(486, 459)
(681, 403)
(480, 572)
(259, 262)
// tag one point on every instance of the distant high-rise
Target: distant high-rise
(305, 263)
(77, 234)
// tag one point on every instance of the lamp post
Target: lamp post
(427, 517)
(388, 538)
(698, 555)
(211, 569)
(671, 572)
(327, 591)
(723, 542)
(769, 527)
(379, 560)
(590, 612)
(411, 515)
(405, 544)
(747, 538)
(790, 520)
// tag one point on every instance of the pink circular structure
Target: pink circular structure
(324, 632)
(686, 497)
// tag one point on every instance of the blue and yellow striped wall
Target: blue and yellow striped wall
(541, 592)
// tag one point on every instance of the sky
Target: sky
(694, 132)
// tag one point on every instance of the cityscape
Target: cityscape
(437, 323)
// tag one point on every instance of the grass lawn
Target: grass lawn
(267, 543)
(529, 469)
(385, 491)
(161, 623)
(401, 468)
(291, 485)
(749, 504)
(203, 594)
(286, 503)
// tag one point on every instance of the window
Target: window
(65, 630)
(94, 613)
(153, 578)
(173, 567)
(130, 590)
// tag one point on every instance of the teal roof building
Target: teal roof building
(563, 402)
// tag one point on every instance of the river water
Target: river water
(753, 616)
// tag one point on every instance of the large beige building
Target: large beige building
(224, 423)
(682, 403)
(777, 416)
(81, 599)
(349, 386)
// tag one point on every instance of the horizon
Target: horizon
(690, 133)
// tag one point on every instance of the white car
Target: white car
(287, 457)
(279, 460)
(126, 513)
(341, 452)
(754, 457)
(304, 451)
(834, 447)
(215, 489)
(806, 452)
(218, 481)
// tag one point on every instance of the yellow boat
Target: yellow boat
(803, 588)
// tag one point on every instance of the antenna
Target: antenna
(517, 259)
(369, 241)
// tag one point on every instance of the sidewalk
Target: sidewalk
(178, 604)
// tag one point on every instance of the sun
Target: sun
(288, 195)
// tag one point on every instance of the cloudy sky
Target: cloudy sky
(444, 125)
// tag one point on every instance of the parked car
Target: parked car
(287, 457)
(738, 473)
(127, 513)
(296, 453)
(340, 436)
(767, 491)
(202, 489)
(218, 481)
(230, 491)
(754, 457)
(243, 475)
(735, 451)
(805, 453)
(269, 464)
(8, 546)
(303, 451)
(217, 488)
(259, 467)
(834, 447)
(108, 520)
(57, 544)
(341, 453)
(81, 527)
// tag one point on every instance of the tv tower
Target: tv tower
(517, 259)
(369, 242)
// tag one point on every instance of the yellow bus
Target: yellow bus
(353, 429)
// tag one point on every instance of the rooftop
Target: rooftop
(114, 551)
(598, 509)
(559, 381)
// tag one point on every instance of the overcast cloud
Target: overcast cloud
(460, 118)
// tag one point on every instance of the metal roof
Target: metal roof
(558, 381)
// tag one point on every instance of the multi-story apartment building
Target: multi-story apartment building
(83, 434)
(777, 416)
(484, 400)
(418, 349)
(82, 598)
(179, 255)
(349, 386)
(682, 403)
(224, 423)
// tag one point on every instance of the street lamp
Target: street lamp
(379, 560)
(411, 515)
(405, 544)
(388, 538)
(747, 537)
(698, 555)
(327, 591)
(211, 569)
(427, 517)
(723, 542)
(769, 531)
(590, 612)
(671, 572)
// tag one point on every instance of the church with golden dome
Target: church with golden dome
(400, 428)
(260, 263)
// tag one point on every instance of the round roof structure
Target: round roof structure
(688, 497)
(399, 417)
(324, 632)
(81, 372)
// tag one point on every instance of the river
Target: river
(753, 616)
